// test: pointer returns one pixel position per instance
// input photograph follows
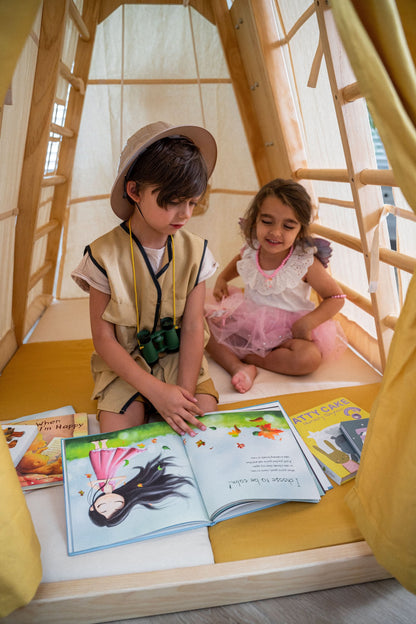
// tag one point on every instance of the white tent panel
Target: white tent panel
(161, 81)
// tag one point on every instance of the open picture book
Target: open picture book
(148, 481)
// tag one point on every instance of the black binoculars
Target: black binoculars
(164, 340)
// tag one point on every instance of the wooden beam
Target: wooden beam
(240, 82)
(289, 151)
(158, 81)
(202, 6)
(126, 596)
(35, 310)
(8, 347)
(46, 76)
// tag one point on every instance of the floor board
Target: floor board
(380, 602)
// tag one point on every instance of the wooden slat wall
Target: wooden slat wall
(359, 156)
(73, 120)
(50, 45)
(49, 67)
(272, 110)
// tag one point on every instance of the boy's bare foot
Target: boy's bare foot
(244, 378)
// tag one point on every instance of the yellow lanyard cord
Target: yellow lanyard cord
(134, 279)
(135, 283)
(174, 292)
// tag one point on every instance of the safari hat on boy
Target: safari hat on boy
(144, 137)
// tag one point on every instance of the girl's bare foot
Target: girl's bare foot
(244, 378)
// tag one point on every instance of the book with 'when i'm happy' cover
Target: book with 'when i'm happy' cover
(37, 458)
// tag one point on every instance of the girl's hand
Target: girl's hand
(220, 289)
(178, 407)
(302, 329)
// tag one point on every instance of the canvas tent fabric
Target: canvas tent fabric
(379, 39)
(21, 570)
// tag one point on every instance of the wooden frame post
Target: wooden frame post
(238, 75)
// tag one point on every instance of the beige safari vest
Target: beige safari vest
(111, 253)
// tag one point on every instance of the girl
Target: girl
(146, 281)
(274, 325)
(111, 504)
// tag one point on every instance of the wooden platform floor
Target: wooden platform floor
(381, 602)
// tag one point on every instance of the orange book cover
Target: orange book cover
(41, 464)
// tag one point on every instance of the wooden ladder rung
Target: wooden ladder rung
(381, 177)
(402, 213)
(376, 177)
(8, 214)
(336, 202)
(390, 321)
(40, 274)
(357, 299)
(45, 229)
(350, 93)
(75, 81)
(53, 180)
(76, 17)
(61, 130)
(397, 260)
(327, 175)
(388, 256)
(352, 242)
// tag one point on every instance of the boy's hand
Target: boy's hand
(178, 407)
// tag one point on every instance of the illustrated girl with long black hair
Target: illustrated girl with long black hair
(111, 502)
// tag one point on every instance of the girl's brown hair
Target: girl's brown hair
(291, 194)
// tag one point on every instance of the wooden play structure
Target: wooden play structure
(291, 89)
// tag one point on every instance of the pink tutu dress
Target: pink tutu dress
(261, 318)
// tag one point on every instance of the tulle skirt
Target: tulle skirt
(245, 327)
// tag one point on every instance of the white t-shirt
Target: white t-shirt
(88, 274)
